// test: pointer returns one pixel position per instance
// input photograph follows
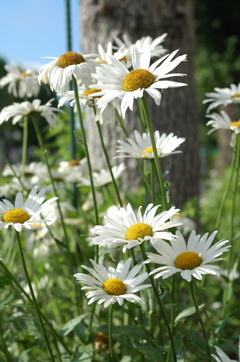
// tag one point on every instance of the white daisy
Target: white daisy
(142, 147)
(222, 357)
(143, 44)
(116, 81)
(223, 96)
(187, 226)
(128, 230)
(28, 171)
(24, 214)
(20, 84)
(19, 110)
(103, 177)
(191, 258)
(222, 121)
(59, 72)
(86, 99)
(73, 170)
(113, 285)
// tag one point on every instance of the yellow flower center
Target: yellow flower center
(177, 215)
(136, 79)
(188, 260)
(73, 163)
(102, 338)
(147, 150)
(123, 59)
(90, 91)
(235, 124)
(25, 74)
(237, 95)
(139, 230)
(70, 58)
(114, 286)
(15, 216)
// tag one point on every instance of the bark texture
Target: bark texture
(100, 21)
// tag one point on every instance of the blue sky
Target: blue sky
(31, 29)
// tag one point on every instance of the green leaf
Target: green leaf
(151, 353)
(69, 326)
(130, 330)
(186, 313)
(82, 357)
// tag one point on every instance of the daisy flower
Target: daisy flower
(59, 72)
(103, 177)
(24, 214)
(222, 357)
(142, 147)
(113, 285)
(222, 121)
(116, 81)
(191, 258)
(19, 110)
(86, 99)
(73, 170)
(128, 230)
(20, 84)
(143, 44)
(223, 96)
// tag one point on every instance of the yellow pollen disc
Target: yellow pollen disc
(73, 163)
(139, 230)
(147, 150)
(114, 286)
(137, 79)
(25, 74)
(90, 91)
(100, 61)
(235, 124)
(102, 338)
(177, 215)
(15, 216)
(237, 95)
(70, 58)
(122, 59)
(188, 260)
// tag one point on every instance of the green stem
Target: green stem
(156, 158)
(233, 163)
(110, 324)
(12, 169)
(200, 319)
(75, 87)
(57, 336)
(108, 162)
(152, 169)
(33, 295)
(44, 152)
(161, 307)
(25, 139)
(233, 189)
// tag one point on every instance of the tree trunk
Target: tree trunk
(101, 20)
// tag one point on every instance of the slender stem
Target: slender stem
(75, 87)
(41, 144)
(43, 316)
(3, 347)
(12, 169)
(33, 295)
(161, 307)
(200, 319)
(156, 158)
(25, 139)
(228, 184)
(110, 324)
(108, 162)
(152, 169)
